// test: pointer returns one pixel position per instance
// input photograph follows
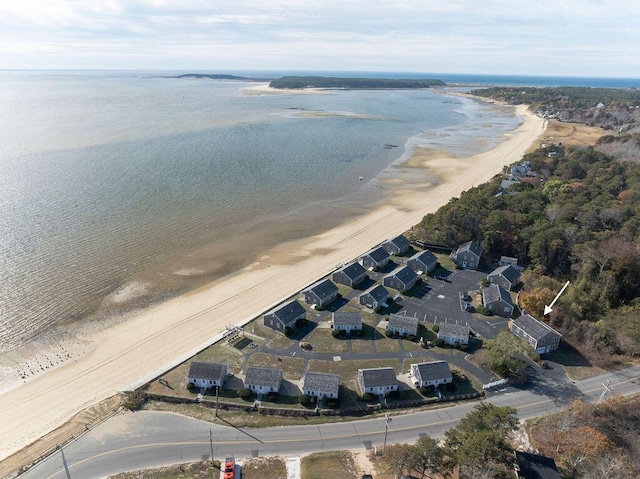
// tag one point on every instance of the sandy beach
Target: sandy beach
(129, 354)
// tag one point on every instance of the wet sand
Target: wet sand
(137, 350)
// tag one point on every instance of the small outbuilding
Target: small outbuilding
(402, 325)
(402, 279)
(344, 321)
(432, 373)
(398, 245)
(505, 276)
(379, 381)
(321, 385)
(207, 375)
(263, 380)
(423, 262)
(467, 255)
(452, 333)
(374, 259)
(375, 297)
(542, 337)
(535, 466)
(497, 300)
(284, 316)
(350, 275)
(320, 294)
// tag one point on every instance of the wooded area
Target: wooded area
(298, 82)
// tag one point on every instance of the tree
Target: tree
(507, 356)
(478, 445)
(534, 300)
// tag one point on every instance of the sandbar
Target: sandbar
(131, 353)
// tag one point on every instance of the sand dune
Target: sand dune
(135, 351)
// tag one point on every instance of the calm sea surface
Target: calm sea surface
(121, 189)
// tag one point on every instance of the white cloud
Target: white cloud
(537, 36)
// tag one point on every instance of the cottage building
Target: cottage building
(423, 262)
(321, 385)
(543, 338)
(505, 276)
(397, 245)
(350, 275)
(402, 325)
(379, 381)
(402, 279)
(431, 373)
(452, 333)
(284, 316)
(508, 260)
(347, 321)
(535, 466)
(207, 375)
(374, 259)
(375, 297)
(320, 294)
(467, 255)
(497, 300)
(263, 380)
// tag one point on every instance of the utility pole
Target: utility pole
(387, 420)
(64, 463)
(211, 444)
(607, 389)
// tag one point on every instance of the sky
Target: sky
(597, 38)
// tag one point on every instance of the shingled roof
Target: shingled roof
(494, 292)
(208, 371)
(403, 322)
(323, 289)
(376, 377)
(289, 312)
(377, 254)
(270, 377)
(433, 370)
(534, 328)
(472, 246)
(508, 272)
(404, 274)
(535, 466)
(346, 319)
(322, 382)
(378, 293)
(453, 330)
(353, 270)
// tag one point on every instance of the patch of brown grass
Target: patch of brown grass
(264, 467)
(338, 464)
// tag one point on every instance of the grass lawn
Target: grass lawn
(274, 339)
(385, 345)
(348, 370)
(322, 342)
(363, 344)
(292, 367)
(323, 465)
(445, 264)
(264, 468)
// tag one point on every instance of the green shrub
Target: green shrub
(304, 399)
(394, 394)
(358, 333)
(435, 328)
(133, 401)
(412, 337)
(244, 393)
(388, 333)
(456, 345)
(337, 333)
(367, 397)
(438, 342)
(288, 331)
(464, 347)
(484, 311)
(332, 403)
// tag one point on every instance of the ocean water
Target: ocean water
(120, 189)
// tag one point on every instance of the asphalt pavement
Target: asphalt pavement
(145, 439)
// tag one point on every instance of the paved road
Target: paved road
(144, 439)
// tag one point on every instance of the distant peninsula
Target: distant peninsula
(213, 76)
(300, 82)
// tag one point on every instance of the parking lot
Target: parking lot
(438, 301)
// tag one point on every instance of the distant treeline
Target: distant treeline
(298, 82)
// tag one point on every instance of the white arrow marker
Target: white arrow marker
(547, 309)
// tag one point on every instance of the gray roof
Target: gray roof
(403, 322)
(376, 377)
(509, 259)
(353, 270)
(347, 319)
(378, 292)
(534, 328)
(377, 254)
(400, 241)
(433, 370)
(263, 376)
(453, 330)
(535, 466)
(288, 312)
(322, 382)
(508, 272)
(202, 370)
(426, 257)
(404, 274)
(323, 289)
(494, 292)
(472, 246)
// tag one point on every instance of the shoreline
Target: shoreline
(129, 354)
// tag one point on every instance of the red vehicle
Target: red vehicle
(229, 468)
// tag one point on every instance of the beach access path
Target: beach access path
(129, 354)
